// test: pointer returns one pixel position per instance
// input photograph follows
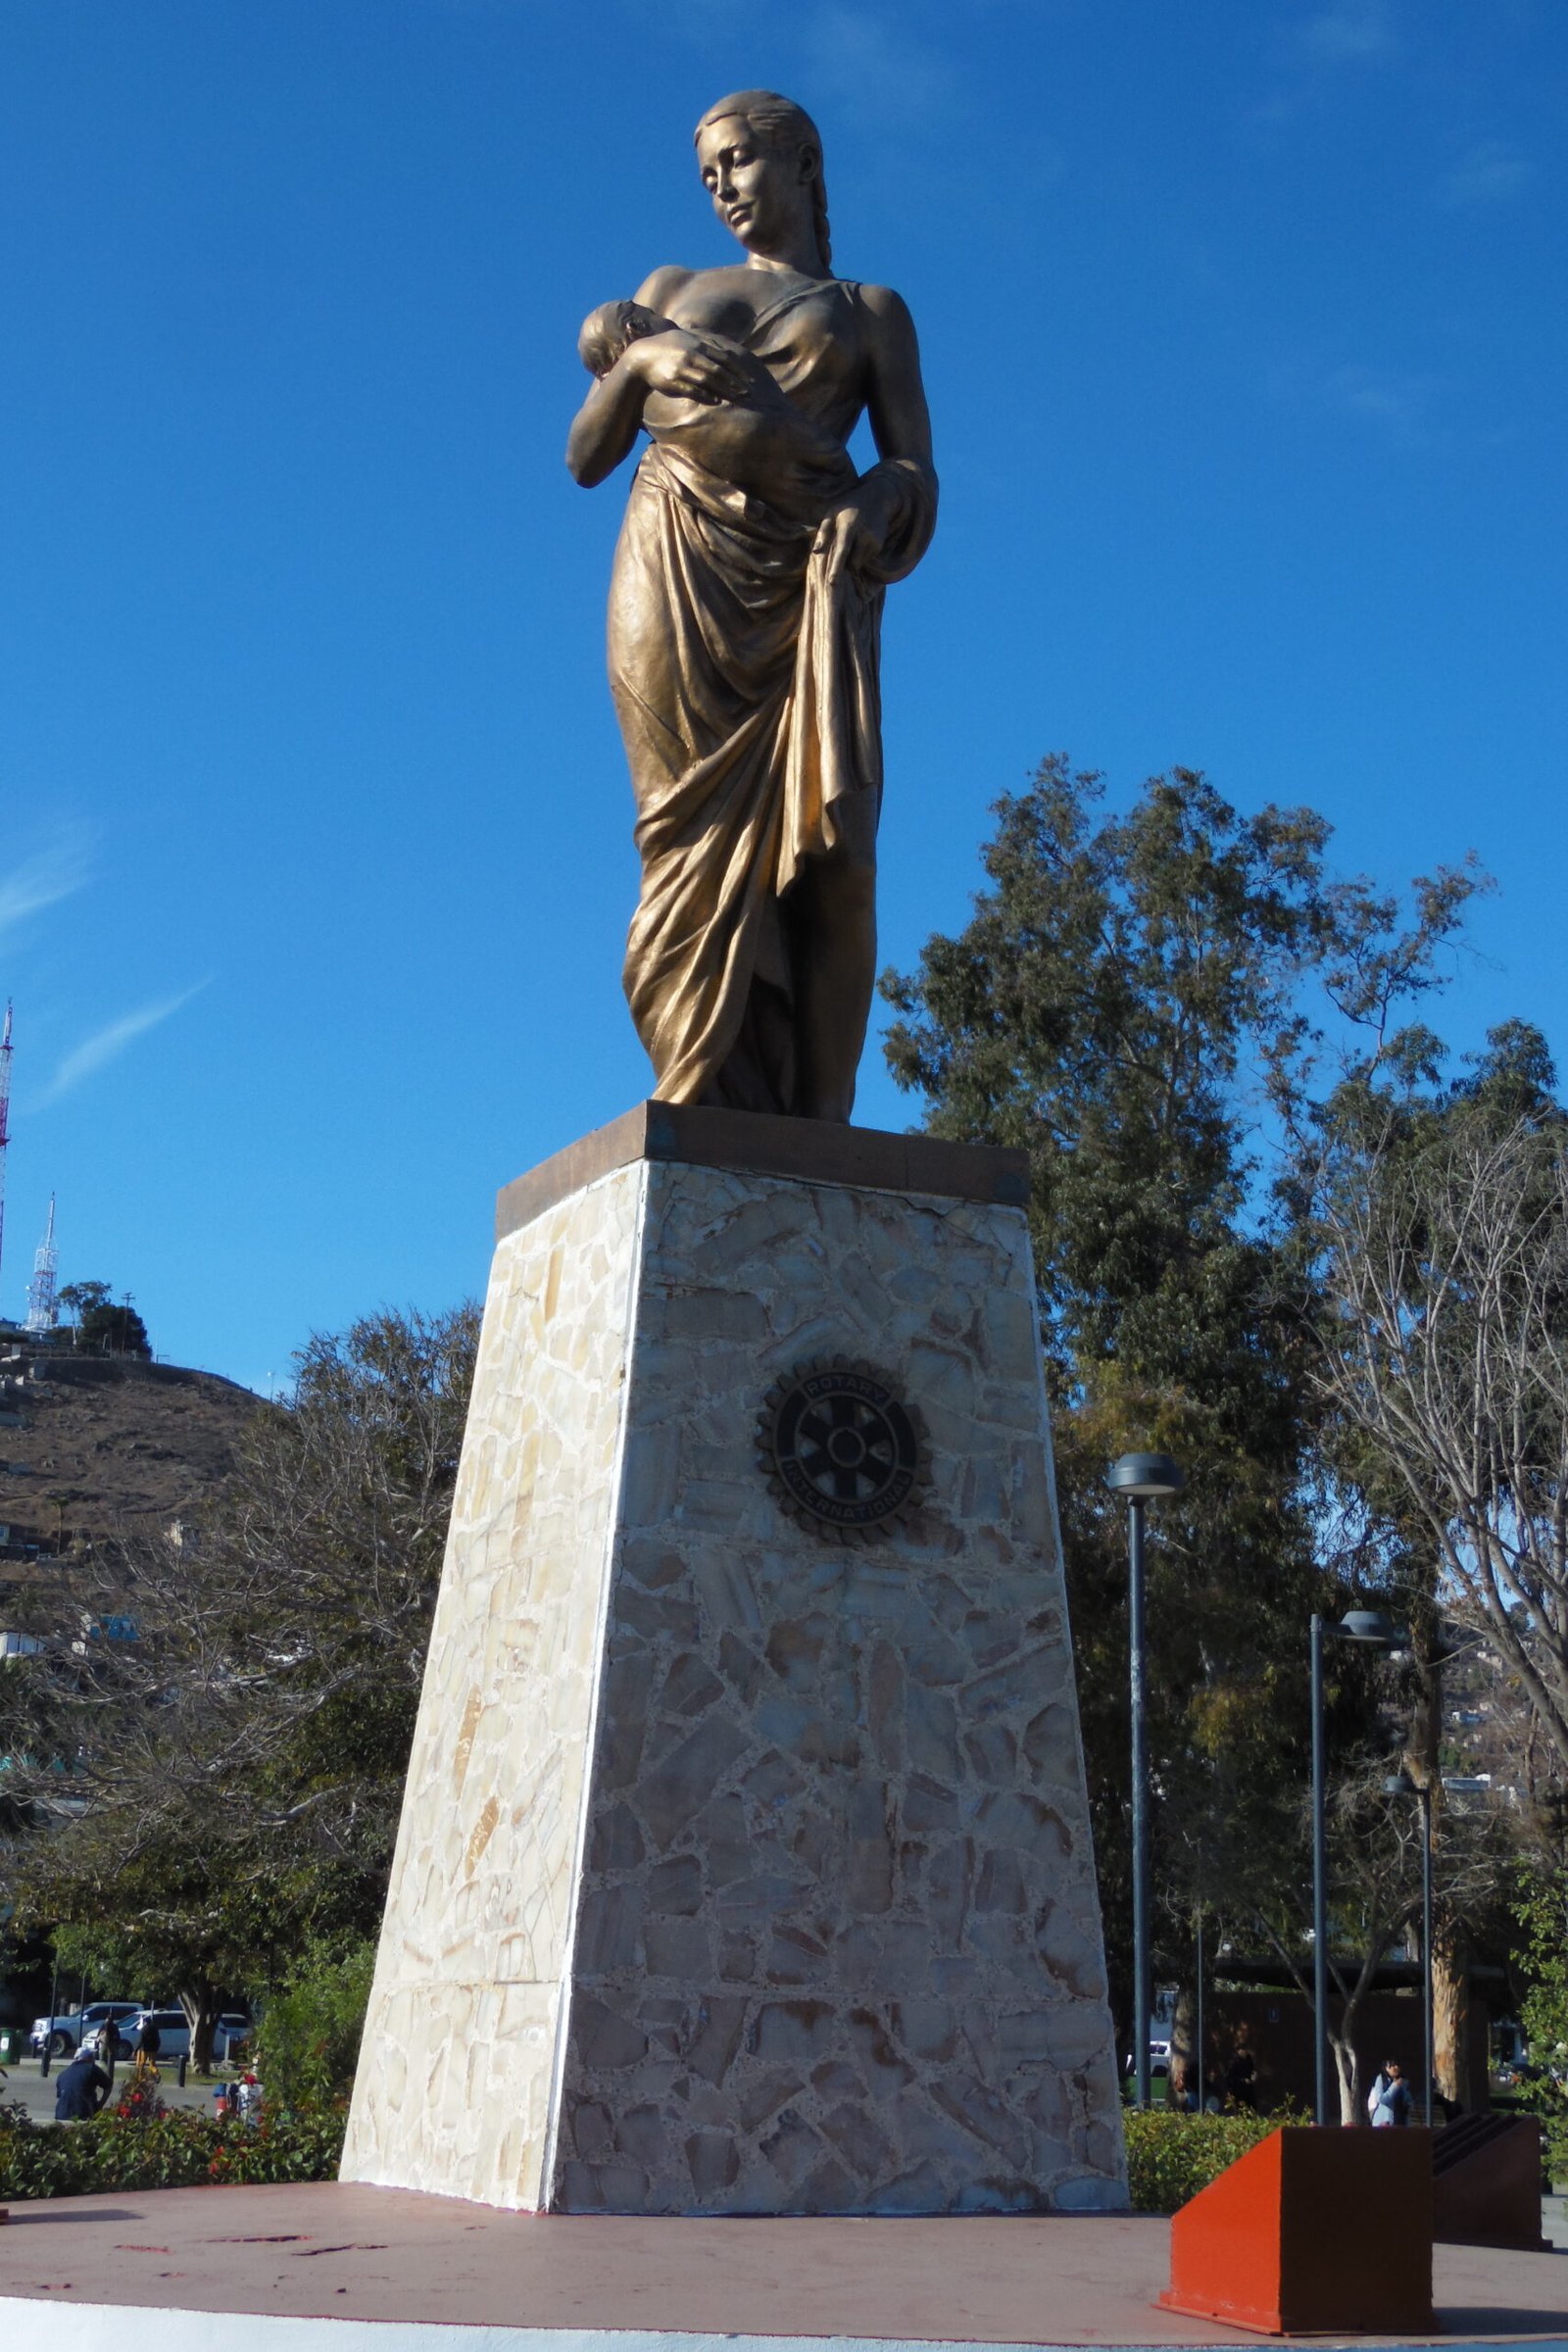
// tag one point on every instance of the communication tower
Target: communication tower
(42, 1312)
(5, 1115)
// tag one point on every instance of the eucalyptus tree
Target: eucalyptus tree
(1145, 1003)
(1438, 1214)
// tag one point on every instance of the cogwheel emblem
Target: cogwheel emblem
(841, 1450)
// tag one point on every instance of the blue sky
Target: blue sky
(1245, 334)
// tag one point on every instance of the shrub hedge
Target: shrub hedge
(307, 2042)
(1171, 2156)
(179, 2149)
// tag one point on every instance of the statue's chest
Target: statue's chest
(715, 310)
(811, 338)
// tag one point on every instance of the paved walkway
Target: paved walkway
(25, 2086)
(357, 2253)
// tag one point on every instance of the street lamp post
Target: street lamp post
(1320, 1890)
(1141, 1477)
(1200, 2018)
(49, 2031)
(1370, 1630)
(1399, 1783)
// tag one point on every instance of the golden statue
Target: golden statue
(745, 614)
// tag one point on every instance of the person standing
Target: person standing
(1392, 2103)
(149, 2041)
(1241, 2076)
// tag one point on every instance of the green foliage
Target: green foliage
(1132, 994)
(84, 1298)
(103, 1327)
(114, 1330)
(1171, 2156)
(1541, 1908)
(179, 2149)
(104, 1953)
(235, 1772)
(307, 2042)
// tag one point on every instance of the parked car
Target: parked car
(173, 2032)
(235, 2032)
(68, 2030)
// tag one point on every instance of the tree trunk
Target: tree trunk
(1342, 2040)
(1450, 2015)
(1183, 2044)
(200, 2004)
(1449, 1947)
(1347, 2067)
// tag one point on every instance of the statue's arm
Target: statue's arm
(689, 367)
(605, 427)
(884, 526)
(901, 421)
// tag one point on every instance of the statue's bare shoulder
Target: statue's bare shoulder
(660, 288)
(889, 313)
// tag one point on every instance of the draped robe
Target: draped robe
(747, 689)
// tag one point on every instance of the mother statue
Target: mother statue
(745, 613)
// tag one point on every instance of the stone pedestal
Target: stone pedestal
(744, 1868)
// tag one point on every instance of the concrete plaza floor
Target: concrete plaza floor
(430, 2270)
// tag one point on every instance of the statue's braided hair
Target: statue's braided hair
(783, 123)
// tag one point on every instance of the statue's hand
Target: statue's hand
(854, 533)
(685, 364)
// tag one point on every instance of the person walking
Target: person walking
(1390, 2102)
(149, 2041)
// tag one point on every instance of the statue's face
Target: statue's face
(760, 191)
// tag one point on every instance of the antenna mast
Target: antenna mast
(5, 1115)
(42, 1312)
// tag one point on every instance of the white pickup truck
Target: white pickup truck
(68, 2030)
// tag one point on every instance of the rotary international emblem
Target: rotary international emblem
(843, 1454)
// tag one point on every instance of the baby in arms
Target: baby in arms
(760, 441)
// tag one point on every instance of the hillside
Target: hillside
(90, 1446)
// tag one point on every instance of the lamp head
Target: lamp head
(1145, 1477)
(1399, 1783)
(1371, 1628)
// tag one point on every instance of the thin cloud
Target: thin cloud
(1348, 32)
(845, 50)
(54, 874)
(851, 51)
(1493, 170)
(1398, 404)
(96, 1051)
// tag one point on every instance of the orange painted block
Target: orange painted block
(1310, 2231)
